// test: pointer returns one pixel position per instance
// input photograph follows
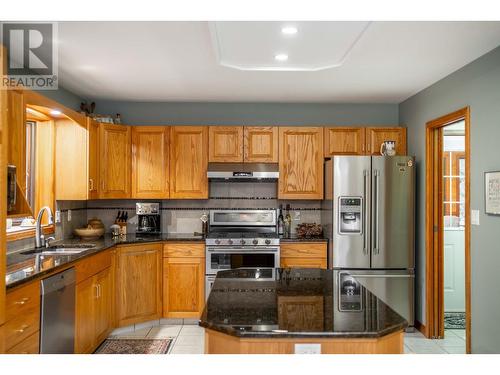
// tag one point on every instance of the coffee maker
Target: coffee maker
(148, 218)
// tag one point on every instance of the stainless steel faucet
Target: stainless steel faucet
(39, 237)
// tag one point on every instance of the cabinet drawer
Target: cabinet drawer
(194, 250)
(21, 300)
(30, 345)
(21, 327)
(93, 265)
(309, 249)
(303, 262)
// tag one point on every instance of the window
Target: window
(454, 182)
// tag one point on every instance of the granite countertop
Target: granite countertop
(295, 238)
(24, 266)
(294, 303)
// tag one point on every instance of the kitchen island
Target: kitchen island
(286, 311)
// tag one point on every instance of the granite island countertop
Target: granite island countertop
(294, 303)
(26, 265)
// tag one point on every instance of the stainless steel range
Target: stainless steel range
(241, 239)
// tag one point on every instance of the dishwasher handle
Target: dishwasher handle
(58, 281)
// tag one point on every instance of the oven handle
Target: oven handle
(237, 250)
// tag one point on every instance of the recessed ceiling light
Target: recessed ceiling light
(289, 30)
(55, 112)
(281, 57)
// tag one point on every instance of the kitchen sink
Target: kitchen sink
(61, 249)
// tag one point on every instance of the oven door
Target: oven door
(227, 258)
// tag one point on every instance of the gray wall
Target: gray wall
(476, 85)
(63, 96)
(156, 113)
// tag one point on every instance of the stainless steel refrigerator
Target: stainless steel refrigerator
(369, 218)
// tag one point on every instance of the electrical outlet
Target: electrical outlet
(69, 215)
(58, 216)
(296, 215)
(307, 348)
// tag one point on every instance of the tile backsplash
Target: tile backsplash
(180, 216)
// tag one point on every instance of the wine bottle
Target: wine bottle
(280, 221)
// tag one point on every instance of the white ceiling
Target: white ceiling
(377, 62)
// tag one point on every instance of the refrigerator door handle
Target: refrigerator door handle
(365, 213)
(376, 249)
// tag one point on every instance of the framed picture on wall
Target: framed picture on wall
(492, 192)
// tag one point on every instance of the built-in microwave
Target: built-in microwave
(11, 187)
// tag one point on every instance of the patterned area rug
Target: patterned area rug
(134, 346)
(454, 320)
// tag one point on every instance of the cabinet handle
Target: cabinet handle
(22, 329)
(91, 184)
(96, 286)
(22, 301)
(100, 290)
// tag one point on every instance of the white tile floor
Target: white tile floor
(189, 338)
(453, 343)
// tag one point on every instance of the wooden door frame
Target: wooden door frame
(434, 218)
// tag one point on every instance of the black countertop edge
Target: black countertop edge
(300, 335)
(303, 239)
(102, 244)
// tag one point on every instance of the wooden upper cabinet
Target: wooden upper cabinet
(261, 144)
(16, 150)
(344, 141)
(150, 156)
(300, 163)
(71, 178)
(188, 162)
(138, 283)
(93, 158)
(225, 144)
(114, 166)
(376, 136)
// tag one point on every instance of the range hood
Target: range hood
(243, 171)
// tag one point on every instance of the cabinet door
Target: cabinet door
(183, 287)
(93, 159)
(300, 163)
(71, 178)
(150, 162)
(86, 295)
(188, 162)
(103, 305)
(225, 144)
(376, 136)
(261, 144)
(344, 141)
(16, 120)
(138, 283)
(114, 142)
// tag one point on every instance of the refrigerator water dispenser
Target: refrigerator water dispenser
(350, 214)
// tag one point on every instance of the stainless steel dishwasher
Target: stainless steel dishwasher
(57, 332)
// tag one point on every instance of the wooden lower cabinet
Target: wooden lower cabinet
(183, 280)
(183, 287)
(138, 283)
(23, 319)
(94, 306)
(303, 255)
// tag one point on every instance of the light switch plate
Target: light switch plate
(69, 215)
(474, 217)
(307, 348)
(58, 216)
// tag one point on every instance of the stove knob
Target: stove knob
(268, 241)
(242, 242)
(230, 242)
(217, 242)
(255, 242)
